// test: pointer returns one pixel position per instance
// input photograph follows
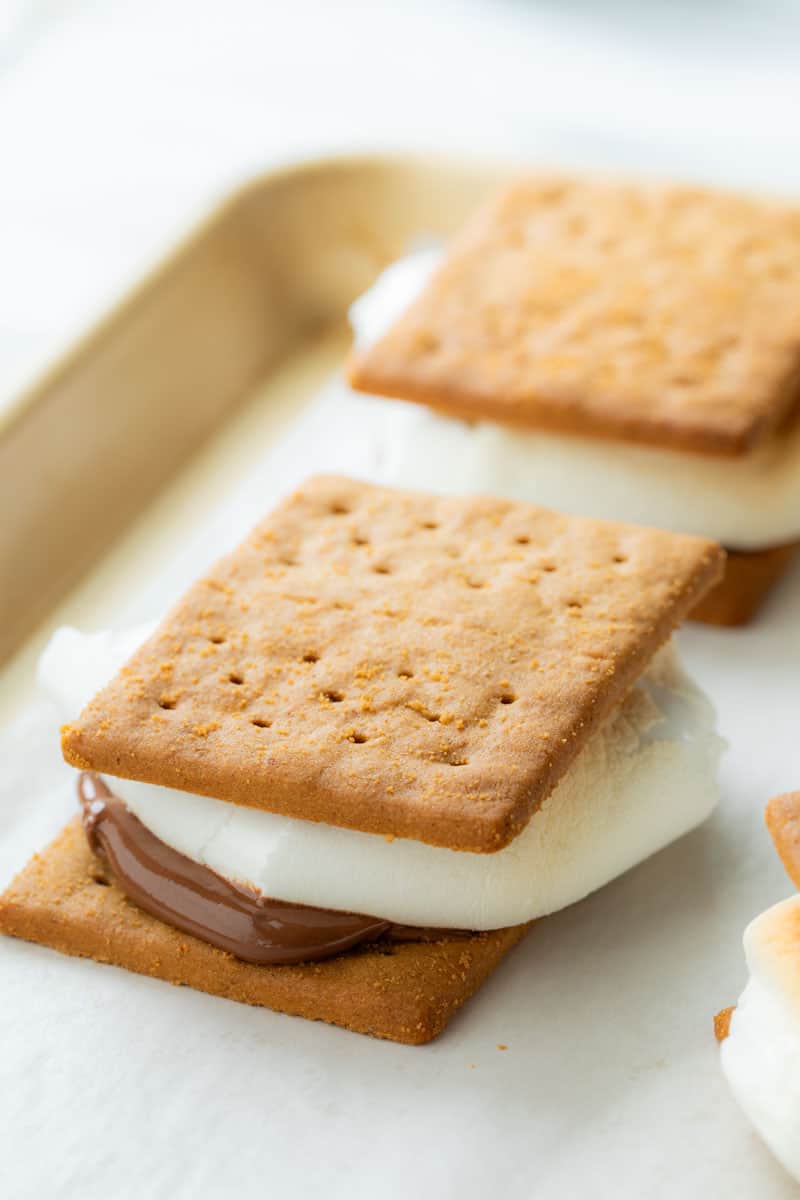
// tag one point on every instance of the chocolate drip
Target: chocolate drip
(192, 897)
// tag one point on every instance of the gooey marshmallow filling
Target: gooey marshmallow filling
(645, 778)
(747, 503)
(761, 1055)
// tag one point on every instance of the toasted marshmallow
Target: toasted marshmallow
(761, 1055)
(747, 503)
(646, 777)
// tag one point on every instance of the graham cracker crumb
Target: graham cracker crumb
(205, 729)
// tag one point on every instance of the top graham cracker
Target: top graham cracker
(410, 665)
(774, 936)
(654, 314)
(783, 823)
(772, 941)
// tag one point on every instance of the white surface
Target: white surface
(647, 777)
(747, 503)
(121, 119)
(117, 1085)
(761, 1055)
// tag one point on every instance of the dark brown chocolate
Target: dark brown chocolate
(192, 897)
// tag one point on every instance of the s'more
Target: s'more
(369, 748)
(621, 350)
(760, 1037)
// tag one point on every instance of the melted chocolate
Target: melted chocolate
(189, 896)
(192, 897)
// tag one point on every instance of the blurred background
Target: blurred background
(122, 120)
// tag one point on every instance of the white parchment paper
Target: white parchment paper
(608, 1082)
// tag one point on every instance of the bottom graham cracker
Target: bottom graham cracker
(748, 580)
(406, 992)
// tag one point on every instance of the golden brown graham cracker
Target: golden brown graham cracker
(406, 992)
(778, 929)
(748, 580)
(658, 314)
(783, 822)
(722, 1022)
(411, 665)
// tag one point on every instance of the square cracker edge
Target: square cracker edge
(782, 818)
(541, 316)
(63, 899)
(340, 663)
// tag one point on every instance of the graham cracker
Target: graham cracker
(783, 822)
(749, 579)
(722, 1022)
(416, 666)
(658, 314)
(774, 942)
(407, 992)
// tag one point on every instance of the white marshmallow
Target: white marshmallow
(746, 503)
(761, 1055)
(645, 778)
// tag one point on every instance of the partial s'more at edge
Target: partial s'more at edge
(760, 1037)
(623, 351)
(370, 747)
